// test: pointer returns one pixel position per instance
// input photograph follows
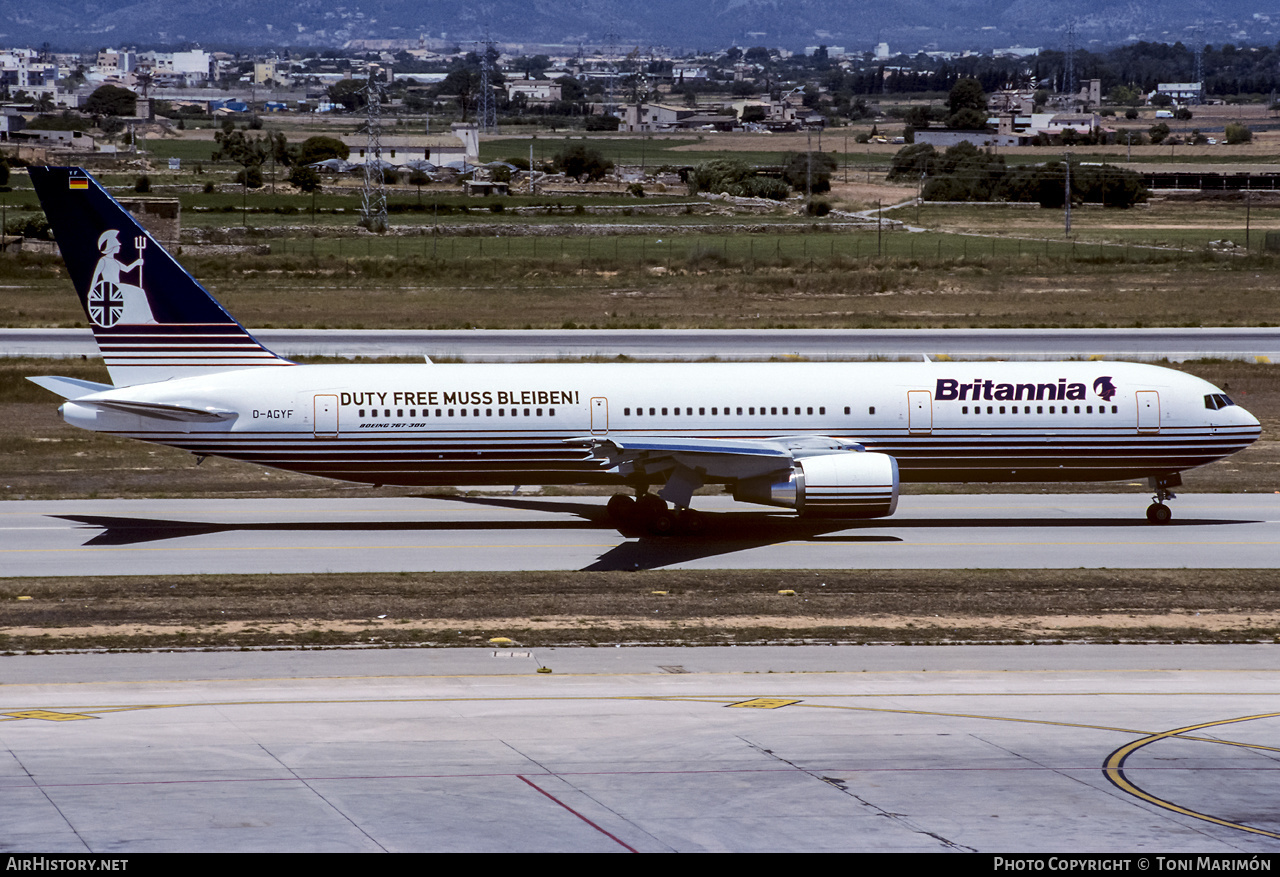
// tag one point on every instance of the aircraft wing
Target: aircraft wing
(687, 463)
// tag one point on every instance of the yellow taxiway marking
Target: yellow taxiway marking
(764, 703)
(47, 715)
(1114, 770)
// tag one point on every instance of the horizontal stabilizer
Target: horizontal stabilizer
(69, 388)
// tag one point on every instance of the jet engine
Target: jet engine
(847, 485)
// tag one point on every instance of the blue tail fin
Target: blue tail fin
(151, 319)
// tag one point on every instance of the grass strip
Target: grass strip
(667, 607)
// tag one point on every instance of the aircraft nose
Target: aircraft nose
(1242, 417)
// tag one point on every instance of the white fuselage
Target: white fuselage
(509, 424)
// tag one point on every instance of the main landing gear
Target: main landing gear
(650, 513)
(1158, 512)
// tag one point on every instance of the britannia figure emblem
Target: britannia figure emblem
(112, 301)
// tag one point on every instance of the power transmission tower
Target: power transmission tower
(610, 52)
(373, 211)
(1199, 57)
(488, 107)
(1069, 86)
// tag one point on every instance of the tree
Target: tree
(243, 150)
(1158, 132)
(968, 104)
(251, 176)
(918, 117)
(580, 162)
(305, 178)
(1237, 133)
(111, 100)
(320, 148)
(419, 178)
(736, 178)
(1124, 95)
(809, 171)
(912, 161)
(349, 93)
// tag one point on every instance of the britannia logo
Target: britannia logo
(112, 301)
(1104, 388)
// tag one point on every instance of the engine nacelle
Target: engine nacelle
(849, 485)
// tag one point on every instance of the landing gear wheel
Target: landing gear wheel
(653, 514)
(1159, 513)
(621, 508)
(691, 522)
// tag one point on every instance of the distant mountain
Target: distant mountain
(857, 25)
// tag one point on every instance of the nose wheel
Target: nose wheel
(1158, 512)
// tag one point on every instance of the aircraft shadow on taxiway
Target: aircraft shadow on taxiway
(725, 532)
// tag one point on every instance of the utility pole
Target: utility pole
(808, 175)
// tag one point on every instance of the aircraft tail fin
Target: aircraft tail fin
(150, 318)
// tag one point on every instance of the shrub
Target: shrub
(142, 184)
(1237, 133)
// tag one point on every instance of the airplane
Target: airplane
(820, 439)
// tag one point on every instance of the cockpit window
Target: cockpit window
(1214, 401)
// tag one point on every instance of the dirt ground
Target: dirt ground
(653, 607)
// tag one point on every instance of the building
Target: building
(945, 138)
(1181, 92)
(653, 117)
(10, 123)
(535, 91)
(20, 70)
(402, 149)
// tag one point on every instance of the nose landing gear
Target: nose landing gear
(1158, 512)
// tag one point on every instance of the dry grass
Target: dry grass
(698, 608)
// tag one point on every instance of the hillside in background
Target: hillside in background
(857, 25)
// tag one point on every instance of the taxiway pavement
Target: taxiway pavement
(1155, 750)
(375, 534)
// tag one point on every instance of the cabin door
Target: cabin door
(599, 415)
(1148, 411)
(326, 417)
(919, 412)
